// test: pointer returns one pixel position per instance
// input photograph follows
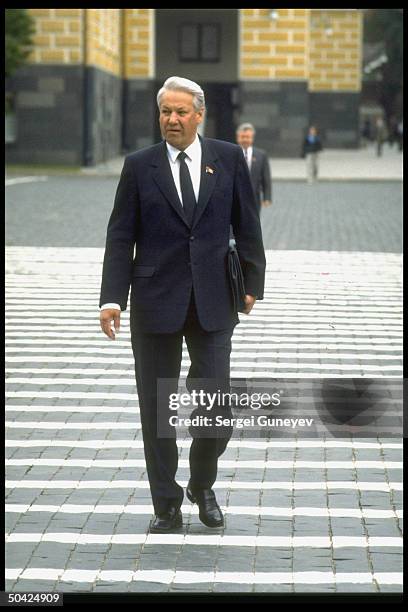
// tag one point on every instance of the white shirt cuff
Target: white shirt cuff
(110, 305)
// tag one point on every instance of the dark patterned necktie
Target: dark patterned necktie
(246, 157)
(187, 191)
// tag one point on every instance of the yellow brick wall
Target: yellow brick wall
(138, 49)
(58, 36)
(119, 41)
(335, 55)
(103, 39)
(273, 49)
(297, 45)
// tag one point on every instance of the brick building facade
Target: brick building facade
(88, 91)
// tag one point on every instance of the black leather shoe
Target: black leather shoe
(209, 511)
(163, 523)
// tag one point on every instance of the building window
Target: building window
(199, 42)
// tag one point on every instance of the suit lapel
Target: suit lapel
(164, 180)
(208, 179)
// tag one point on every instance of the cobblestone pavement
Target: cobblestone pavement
(327, 216)
(320, 515)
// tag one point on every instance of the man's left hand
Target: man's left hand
(266, 203)
(249, 303)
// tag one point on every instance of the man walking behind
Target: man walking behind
(258, 164)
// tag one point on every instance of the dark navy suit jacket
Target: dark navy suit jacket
(171, 257)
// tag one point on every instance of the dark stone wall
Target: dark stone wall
(140, 114)
(280, 113)
(49, 113)
(65, 115)
(75, 116)
(336, 115)
(103, 116)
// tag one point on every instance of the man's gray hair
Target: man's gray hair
(176, 83)
(245, 126)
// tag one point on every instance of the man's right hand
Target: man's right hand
(106, 316)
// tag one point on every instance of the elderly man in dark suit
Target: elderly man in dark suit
(175, 202)
(258, 164)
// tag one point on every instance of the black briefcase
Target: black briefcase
(236, 278)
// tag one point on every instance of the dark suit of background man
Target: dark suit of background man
(258, 164)
(177, 210)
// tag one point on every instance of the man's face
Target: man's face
(179, 119)
(245, 138)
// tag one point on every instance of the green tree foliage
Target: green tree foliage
(386, 25)
(19, 29)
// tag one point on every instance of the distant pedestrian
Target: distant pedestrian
(311, 147)
(258, 164)
(380, 135)
(392, 131)
(400, 132)
(366, 132)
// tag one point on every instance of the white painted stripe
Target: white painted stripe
(51, 271)
(245, 374)
(130, 426)
(250, 365)
(65, 426)
(222, 463)
(208, 540)
(318, 313)
(259, 486)
(278, 285)
(135, 410)
(81, 409)
(272, 318)
(24, 179)
(320, 301)
(284, 331)
(366, 321)
(130, 382)
(274, 297)
(358, 513)
(170, 576)
(322, 294)
(78, 395)
(277, 336)
(390, 270)
(395, 372)
(260, 445)
(258, 355)
(373, 303)
(239, 345)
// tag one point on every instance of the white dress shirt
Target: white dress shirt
(193, 161)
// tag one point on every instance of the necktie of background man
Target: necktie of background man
(187, 191)
(246, 157)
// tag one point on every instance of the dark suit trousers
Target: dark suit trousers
(158, 356)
